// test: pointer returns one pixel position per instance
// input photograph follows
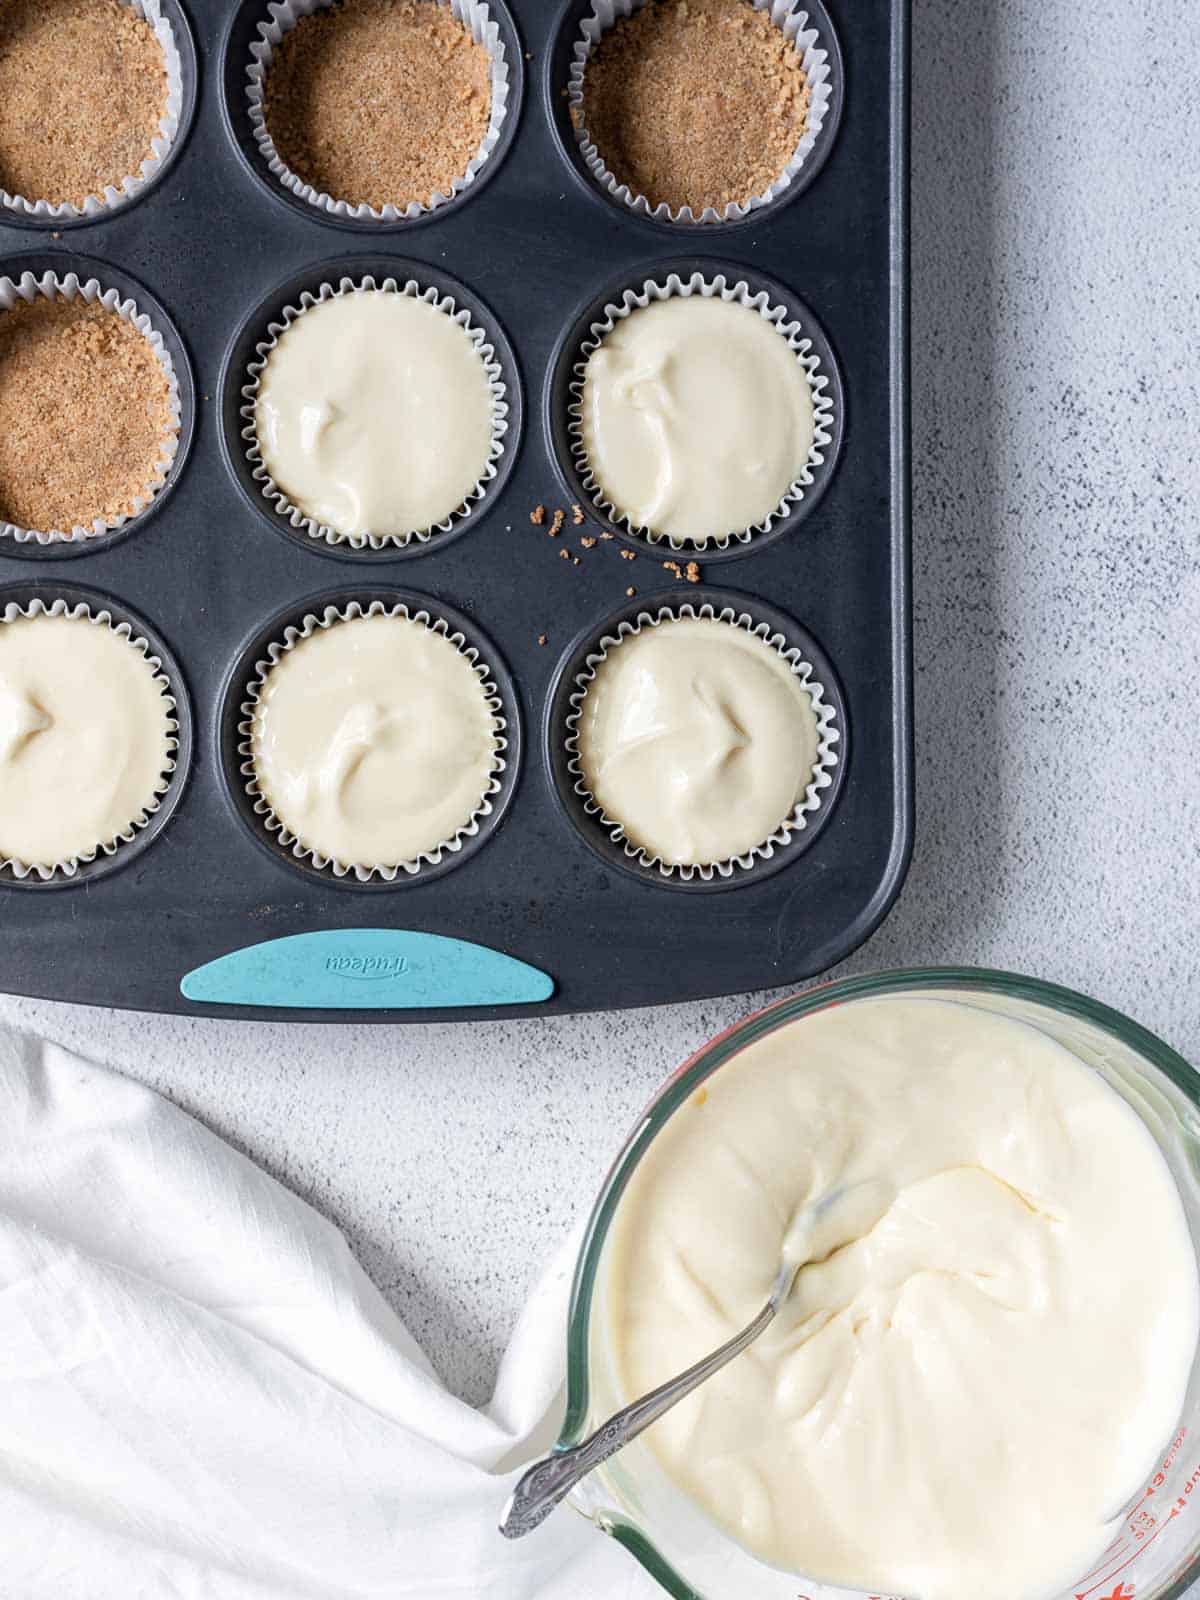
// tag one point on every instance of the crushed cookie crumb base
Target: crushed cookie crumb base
(695, 104)
(93, 364)
(481, 30)
(112, 133)
(378, 102)
(671, 95)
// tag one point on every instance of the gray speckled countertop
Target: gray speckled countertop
(1056, 392)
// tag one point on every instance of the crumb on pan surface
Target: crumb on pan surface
(378, 102)
(695, 102)
(84, 415)
(83, 89)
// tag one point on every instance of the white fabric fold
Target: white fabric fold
(203, 1397)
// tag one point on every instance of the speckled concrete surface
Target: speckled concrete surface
(1056, 304)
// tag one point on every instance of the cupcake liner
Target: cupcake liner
(282, 17)
(790, 329)
(50, 286)
(829, 737)
(131, 186)
(59, 608)
(792, 21)
(270, 490)
(329, 617)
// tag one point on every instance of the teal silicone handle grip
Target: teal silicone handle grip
(366, 969)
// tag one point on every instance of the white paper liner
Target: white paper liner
(330, 617)
(109, 847)
(709, 288)
(131, 186)
(828, 738)
(792, 22)
(51, 287)
(270, 490)
(282, 16)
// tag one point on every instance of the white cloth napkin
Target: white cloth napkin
(202, 1396)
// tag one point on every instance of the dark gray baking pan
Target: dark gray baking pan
(540, 913)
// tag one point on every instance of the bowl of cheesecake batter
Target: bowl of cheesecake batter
(985, 1381)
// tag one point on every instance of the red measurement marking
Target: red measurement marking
(1139, 1525)
(1082, 1594)
(1115, 1549)
(1159, 1478)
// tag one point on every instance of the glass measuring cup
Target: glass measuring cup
(1155, 1555)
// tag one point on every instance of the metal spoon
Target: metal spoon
(547, 1482)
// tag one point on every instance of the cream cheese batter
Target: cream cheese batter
(697, 417)
(992, 1335)
(374, 414)
(698, 738)
(83, 738)
(373, 741)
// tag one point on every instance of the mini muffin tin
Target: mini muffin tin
(540, 910)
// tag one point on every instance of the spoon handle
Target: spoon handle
(541, 1488)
